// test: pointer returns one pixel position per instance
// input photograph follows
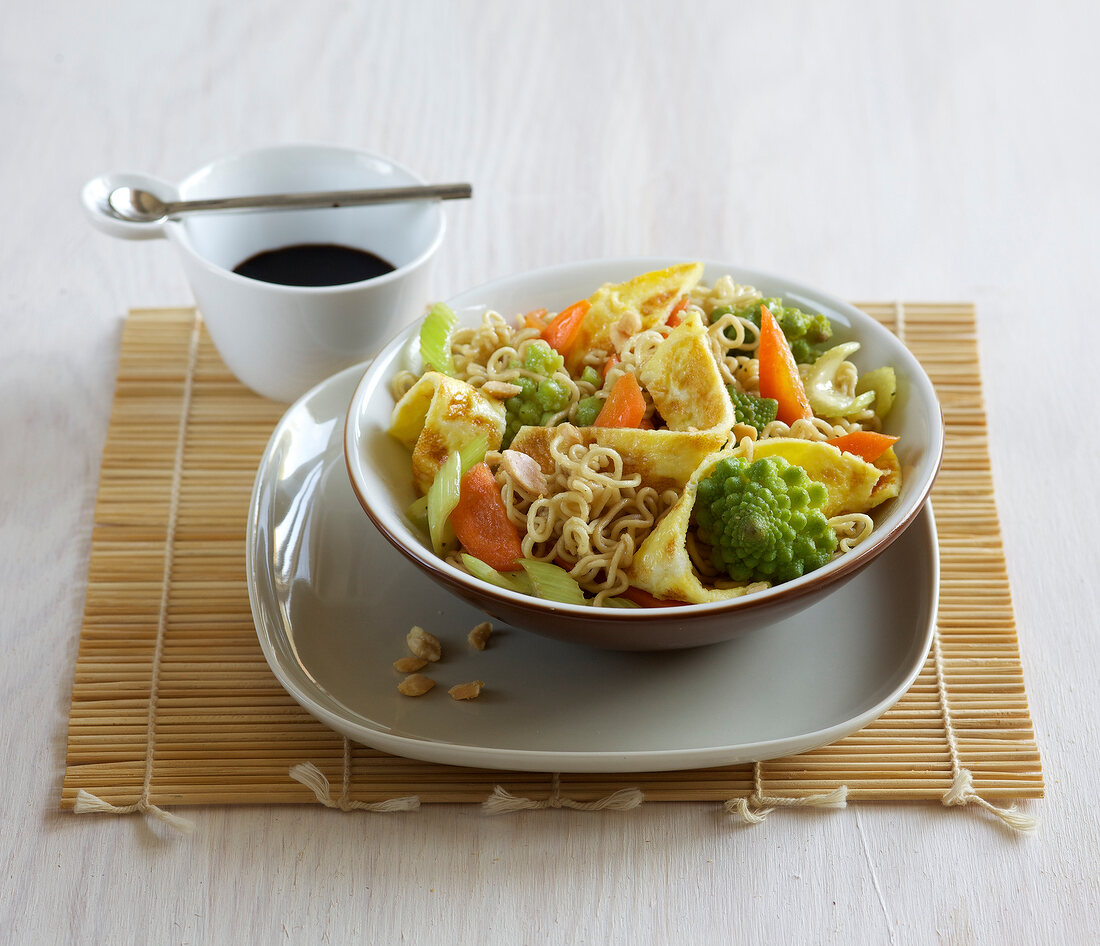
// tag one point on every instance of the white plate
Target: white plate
(332, 602)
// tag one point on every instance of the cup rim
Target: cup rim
(175, 231)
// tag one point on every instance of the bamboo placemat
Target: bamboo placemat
(174, 704)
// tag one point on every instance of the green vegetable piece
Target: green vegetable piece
(417, 513)
(591, 376)
(552, 395)
(620, 603)
(588, 409)
(512, 581)
(540, 398)
(435, 339)
(553, 582)
(749, 409)
(442, 498)
(763, 520)
(884, 383)
(473, 452)
(805, 331)
(542, 359)
(443, 493)
(821, 390)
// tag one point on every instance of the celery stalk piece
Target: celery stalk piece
(417, 513)
(471, 453)
(442, 498)
(824, 397)
(591, 376)
(883, 381)
(619, 603)
(588, 409)
(552, 582)
(443, 494)
(512, 581)
(435, 339)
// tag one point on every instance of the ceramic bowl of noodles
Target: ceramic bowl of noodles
(643, 454)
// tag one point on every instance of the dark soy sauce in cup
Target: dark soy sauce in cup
(314, 264)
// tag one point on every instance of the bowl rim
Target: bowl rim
(812, 583)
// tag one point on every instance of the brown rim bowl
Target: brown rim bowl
(379, 467)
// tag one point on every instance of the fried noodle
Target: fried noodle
(593, 516)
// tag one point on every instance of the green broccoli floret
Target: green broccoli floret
(763, 519)
(805, 331)
(540, 398)
(749, 409)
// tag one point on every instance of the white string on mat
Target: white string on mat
(961, 791)
(85, 801)
(758, 806)
(314, 779)
(502, 801)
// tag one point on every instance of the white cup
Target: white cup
(281, 340)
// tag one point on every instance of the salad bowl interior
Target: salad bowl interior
(379, 466)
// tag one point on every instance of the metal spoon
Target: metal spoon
(139, 206)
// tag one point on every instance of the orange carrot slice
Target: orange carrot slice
(866, 444)
(563, 328)
(779, 378)
(536, 318)
(612, 360)
(645, 600)
(625, 405)
(674, 316)
(481, 521)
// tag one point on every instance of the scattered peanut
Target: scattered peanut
(501, 390)
(424, 644)
(409, 664)
(416, 684)
(741, 431)
(525, 471)
(623, 330)
(466, 691)
(479, 636)
(426, 647)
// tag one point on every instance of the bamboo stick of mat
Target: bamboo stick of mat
(225, 732)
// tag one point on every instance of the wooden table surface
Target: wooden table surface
(933, 151)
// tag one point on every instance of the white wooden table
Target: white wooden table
(892, 150)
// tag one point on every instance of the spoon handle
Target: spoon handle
(379, 195)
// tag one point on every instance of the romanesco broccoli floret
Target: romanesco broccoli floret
(763, 519)
(541, 396)
(750, 409)
(805, 331)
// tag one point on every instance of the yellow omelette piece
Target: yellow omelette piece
(851, 481)
(889, 484)
(683, 379)
(662, 565)
(652, 295)
(438, 415)
(665, 459)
